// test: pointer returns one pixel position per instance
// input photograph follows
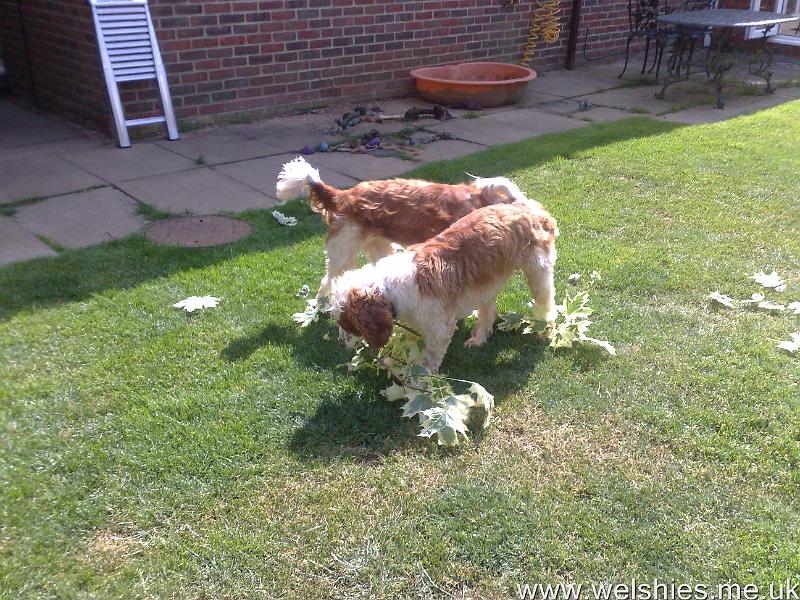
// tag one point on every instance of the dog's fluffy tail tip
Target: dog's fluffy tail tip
(500, 186)
(294, 178)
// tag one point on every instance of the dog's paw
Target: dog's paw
(475, 341)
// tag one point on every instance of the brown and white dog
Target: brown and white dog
(372, 215)
(432, 285)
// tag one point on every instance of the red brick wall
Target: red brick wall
(264, 56)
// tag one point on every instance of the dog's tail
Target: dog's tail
(298, 179)
(295, 178)
(500, 190)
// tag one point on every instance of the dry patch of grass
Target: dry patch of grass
(114, 547)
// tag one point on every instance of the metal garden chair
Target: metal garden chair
(642, 24)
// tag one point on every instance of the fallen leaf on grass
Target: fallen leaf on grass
(722, 299)
(792, 346)
(193, 303)
(794, 307)
(770, 305)
(309, 315)
(603, 344)
(283, 219)
(754, 299)
(773, 280)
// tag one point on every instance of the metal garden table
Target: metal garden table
(720, 23)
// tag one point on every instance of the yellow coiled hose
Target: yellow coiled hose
(545, 26)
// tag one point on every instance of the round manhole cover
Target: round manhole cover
(195, 232)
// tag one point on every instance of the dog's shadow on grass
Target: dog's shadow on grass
(358, 424)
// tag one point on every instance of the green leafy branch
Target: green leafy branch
(442, 412)
(570, 326)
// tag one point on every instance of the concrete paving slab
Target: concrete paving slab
(291, 134)
(613, 68)
(17, 244)
(569, 84)
(262, 173)
(785, 71)
(198, 191)
(215, 146)
(535, 97)
(34, 176)
(82, 219)
(286, 137)
(22, 125)
(385, 128)
(535, 121)
(449, 149)
(401, 105)
(509, 126)
(363, 167)
(602, 114)
(60, 147)
(736, 106)
(562, 106)
(121, 164)
(642, 100)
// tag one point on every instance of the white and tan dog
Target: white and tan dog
(432, 285)
(372, 215)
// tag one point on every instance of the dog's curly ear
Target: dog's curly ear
(370, 314)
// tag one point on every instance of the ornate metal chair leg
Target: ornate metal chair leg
(655, 55)
(659, 58)
(646, 54)
(627, 55)
(720, 100)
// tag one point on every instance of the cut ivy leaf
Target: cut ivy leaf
(394, 392)
(754, 299)
(484, 403)
(719, 298)
(193, 303)
(418, 371)
(603, 344)
(771, 306)
(771, 280)
(510, 321)
(536, 328)
(302, 292)
(418, 404)
(309, 315)
(573, 279)
(283, 219)
(445, 422)
(577, 306)
(793, 345)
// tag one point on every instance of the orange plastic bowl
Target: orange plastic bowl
(488, 83)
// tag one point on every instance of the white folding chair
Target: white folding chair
(129, 52)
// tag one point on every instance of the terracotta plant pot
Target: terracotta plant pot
(490, 84)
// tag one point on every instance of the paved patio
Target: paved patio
(60, 188)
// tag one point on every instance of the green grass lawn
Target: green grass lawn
(150, 453)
